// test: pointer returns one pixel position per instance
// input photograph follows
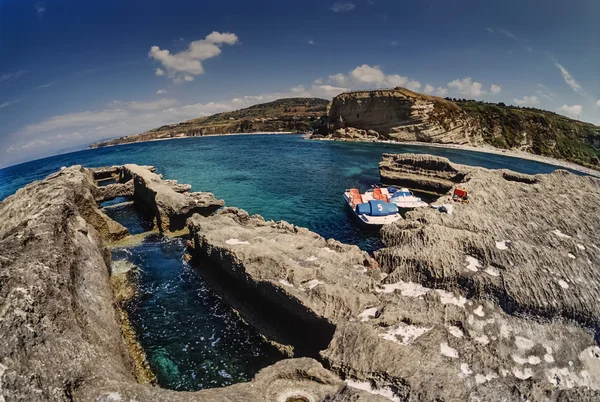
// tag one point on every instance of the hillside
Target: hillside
(537, 131)
(402, 115)
(283, 115)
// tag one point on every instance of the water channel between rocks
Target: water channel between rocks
(191, 338)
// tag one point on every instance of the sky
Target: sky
(74, 72)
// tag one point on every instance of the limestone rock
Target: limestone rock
(402, 115)
(424, 172)
(464, 307)
(60, 335)
(169, 202)
(115, 190)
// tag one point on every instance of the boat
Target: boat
(403, 198)
(371, 208)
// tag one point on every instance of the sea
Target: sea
(192, 339)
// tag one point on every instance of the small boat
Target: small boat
(404, 198)
(371, 208)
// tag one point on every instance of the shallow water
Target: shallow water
(277, 176)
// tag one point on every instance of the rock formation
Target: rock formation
(170, 202)
(424, 172)
(497, 301)
(402, 115)
(61, 336)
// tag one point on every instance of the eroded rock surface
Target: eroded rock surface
(401, 115)
(170, 202)
(60, 334)
(497, 301)
(424, 172)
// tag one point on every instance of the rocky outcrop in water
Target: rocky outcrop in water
(497, 301)
(170, 202)
(61, 335)
(423, 172)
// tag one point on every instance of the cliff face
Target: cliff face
(402, 115)
(283, 115)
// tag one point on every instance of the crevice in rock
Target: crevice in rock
(279, 317)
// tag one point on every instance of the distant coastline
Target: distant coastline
(199, 136)
(490, 150)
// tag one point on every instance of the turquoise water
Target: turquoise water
(277, 176)
(193, 340)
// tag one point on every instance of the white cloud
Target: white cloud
(489, 29)
(318, 81)
(573, 111)
(161, 91)
(40, 8)
(467, 87)
(413, 85)
(527, 101)
(342, 7)
(507, 33)
(369, 75)
(152, 105)
(429, 89)
(568, 78)
(394, 43)
(9, 76)
(339, 78)
(495, 89)
(441, 91)
(311, 42)
(5, 104)
(545, 92)
(184, 65)
(159, 72)
(46, 85)
(298, 89)
(598, 103)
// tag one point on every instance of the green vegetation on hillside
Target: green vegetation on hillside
(538, 131)
(283, 115)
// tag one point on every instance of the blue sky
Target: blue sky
(74, 71)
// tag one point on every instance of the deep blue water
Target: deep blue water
(277, 176)
(192, 339)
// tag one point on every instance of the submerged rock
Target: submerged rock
(497, 301)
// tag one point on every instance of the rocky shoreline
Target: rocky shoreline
(496, 301)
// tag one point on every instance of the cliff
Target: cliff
(402, 115)
(284, 115)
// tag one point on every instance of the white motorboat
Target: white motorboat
(403, 198)
(371, 208)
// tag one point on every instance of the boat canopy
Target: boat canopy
(377, 208)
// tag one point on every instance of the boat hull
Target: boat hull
(368, 220)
